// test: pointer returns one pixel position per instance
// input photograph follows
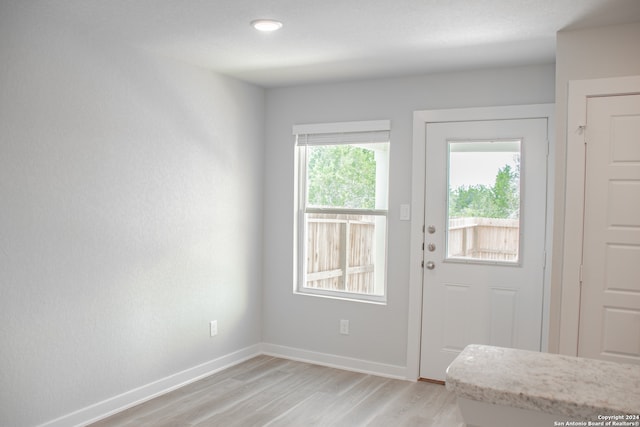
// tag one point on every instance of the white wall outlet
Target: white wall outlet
(213, 328)
(344, 327)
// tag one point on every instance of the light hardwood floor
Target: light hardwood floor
(268, 391)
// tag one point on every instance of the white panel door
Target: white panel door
(482, 284)
(610, 293)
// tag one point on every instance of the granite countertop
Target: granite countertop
(574, 387)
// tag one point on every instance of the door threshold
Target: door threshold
(429, 380)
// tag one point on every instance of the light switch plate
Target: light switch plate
(405, 212)
(213, 328)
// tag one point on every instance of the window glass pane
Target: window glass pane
(484, 201)
(347, 176)
(341, 253)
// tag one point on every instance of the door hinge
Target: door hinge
(422, 263)
(583, 130)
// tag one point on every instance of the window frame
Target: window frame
(336, 134)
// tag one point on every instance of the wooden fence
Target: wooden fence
(343, 243)
(488, 239)
(338, 244)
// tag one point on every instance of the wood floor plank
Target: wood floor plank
(313, 379)
(344, 403)
(187, 407)
(418, 405)
(274, 392)
(174, 398)
(366, 410)
(206, 409)
(308, 410)
(243, 413)
(199, 400)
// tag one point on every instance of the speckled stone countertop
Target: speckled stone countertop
(574, 387)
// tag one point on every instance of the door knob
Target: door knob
(430, 265)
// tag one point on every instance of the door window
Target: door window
(484, 201)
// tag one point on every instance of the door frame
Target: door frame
(420, 121)
(579, 92)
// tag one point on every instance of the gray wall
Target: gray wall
(611, 51)
(139, 200)
(130, 216)
(378, 333)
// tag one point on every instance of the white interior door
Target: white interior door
(610, 291)
(484, 284)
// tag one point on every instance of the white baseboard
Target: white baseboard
(136, 396)
(333, 361)
(126, 400)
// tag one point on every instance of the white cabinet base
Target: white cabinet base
(481, 414)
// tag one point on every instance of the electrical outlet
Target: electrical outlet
(213, 328)
(344, 327)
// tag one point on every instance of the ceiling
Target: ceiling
(338, 40)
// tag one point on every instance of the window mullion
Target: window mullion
(345, 246)
(346, 211)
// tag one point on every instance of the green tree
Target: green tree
(475, 200)
(506, 197)
(502, 200)
(341, 176)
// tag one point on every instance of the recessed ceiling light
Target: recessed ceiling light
(266, 25)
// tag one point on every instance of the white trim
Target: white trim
(335, 361)
(578, 94)
(339, 127)
(130, 398)
(420, 119)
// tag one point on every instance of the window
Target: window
(341, 202)
(484, 201)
